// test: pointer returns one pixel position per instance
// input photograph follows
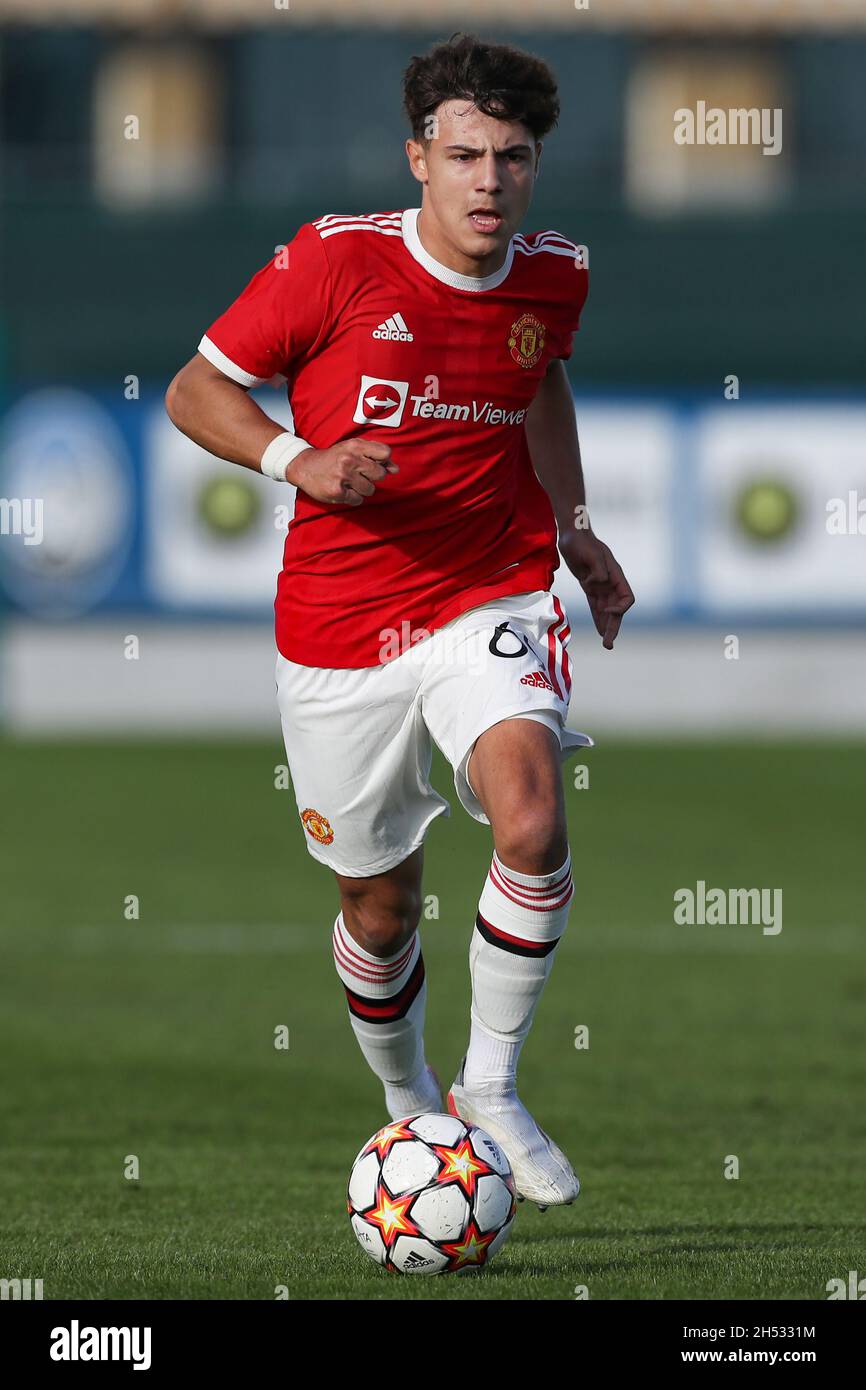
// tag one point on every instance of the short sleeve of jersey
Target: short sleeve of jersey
(576, 289)
(278, 318)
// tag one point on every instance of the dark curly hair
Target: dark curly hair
(499, 80)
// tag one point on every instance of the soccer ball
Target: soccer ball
(431, 1195)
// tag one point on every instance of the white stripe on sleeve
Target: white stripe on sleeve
(227, 366)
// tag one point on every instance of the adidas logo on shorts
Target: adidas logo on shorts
(394, 330)
(537, 678)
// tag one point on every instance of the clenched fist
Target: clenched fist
(344, 474)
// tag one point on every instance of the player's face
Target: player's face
(478, 175)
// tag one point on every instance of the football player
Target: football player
(437, 468)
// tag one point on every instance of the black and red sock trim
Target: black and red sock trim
(517, 945)
(392, 1007)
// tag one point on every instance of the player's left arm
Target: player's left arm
(551, 432)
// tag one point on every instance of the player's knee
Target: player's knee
(532, 838)
(381, 925)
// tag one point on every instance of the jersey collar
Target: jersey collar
(412, 242)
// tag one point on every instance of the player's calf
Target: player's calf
(377, 955)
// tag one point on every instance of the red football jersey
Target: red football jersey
(377, 339)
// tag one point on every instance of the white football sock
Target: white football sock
(520, 920)
(387, 998)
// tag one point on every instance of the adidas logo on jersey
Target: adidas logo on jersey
(394, 330)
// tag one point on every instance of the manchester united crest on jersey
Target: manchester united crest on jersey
(317, 825)
(526, 342)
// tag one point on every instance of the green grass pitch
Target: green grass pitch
(155, 1037)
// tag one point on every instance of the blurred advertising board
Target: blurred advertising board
(716, 509)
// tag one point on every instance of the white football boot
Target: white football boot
(429, 1102)
(542, 1173)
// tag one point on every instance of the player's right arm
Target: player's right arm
(284, 312)
(219, 414)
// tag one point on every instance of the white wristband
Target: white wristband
(280, 453)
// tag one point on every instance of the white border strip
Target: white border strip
(227, 366)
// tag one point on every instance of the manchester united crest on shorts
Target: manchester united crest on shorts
(526, 342)
(317, 825)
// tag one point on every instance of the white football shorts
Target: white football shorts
(360, 742)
